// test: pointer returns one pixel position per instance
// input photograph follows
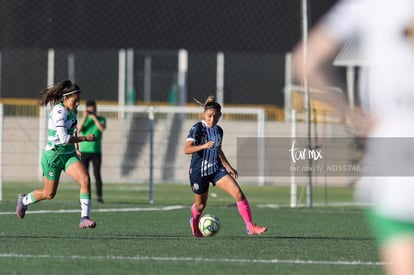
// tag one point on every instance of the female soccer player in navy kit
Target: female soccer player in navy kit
(209, 164)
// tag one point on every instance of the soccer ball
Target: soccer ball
(209, 225)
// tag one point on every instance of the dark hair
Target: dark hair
(211, 103)
(90, 103)
(55, 94)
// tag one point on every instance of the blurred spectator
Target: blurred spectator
(91, 123)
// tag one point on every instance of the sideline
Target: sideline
(195, 259)
(131, 209)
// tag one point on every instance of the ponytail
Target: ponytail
(55, 94)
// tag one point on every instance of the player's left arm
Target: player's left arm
(232, 172)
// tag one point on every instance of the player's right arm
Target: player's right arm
(190, 147)
(59, 117)
(194, 142)
(90, 137)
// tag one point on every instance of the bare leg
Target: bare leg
(78, 172)
(230, 186)
(200, 201)
(399, 255)
(48, 192)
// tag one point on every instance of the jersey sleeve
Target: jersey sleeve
(192, 133)
(195, 134)
(221, 132)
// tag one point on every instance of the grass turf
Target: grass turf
(319, 240)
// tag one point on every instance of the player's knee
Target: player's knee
(238, 195)
(84, 180)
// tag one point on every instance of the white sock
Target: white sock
(85, 200)
(29, 199)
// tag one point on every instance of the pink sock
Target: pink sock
(196, 215)
(244, 210)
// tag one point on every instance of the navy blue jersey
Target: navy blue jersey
(207, 161)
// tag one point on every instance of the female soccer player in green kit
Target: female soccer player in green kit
(60, 152)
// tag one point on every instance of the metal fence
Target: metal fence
(131, 133)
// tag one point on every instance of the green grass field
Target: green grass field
(133, 237)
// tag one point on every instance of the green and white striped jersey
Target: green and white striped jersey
(61, 125)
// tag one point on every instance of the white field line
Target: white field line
(181, 259)
(131, 209)
(169, 208)
(191, 259)
(317, 204)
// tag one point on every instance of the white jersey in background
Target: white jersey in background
(383, 27)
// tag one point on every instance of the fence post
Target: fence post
(182, 76)
(121, 80)
(151, 117)
(293, 186)
(220, 78)
(147, 79)
(71, 67)
(130, 89)
(261, 118)
(43, 110)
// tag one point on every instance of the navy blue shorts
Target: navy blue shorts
(200, 184)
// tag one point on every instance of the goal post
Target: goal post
(145, 145)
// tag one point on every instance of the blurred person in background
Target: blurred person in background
(385, 31)
(60, 153)
(93, 124)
